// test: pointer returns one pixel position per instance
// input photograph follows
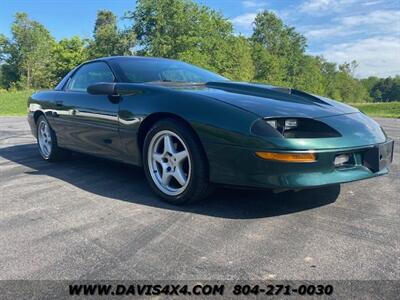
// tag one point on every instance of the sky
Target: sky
(367, 31)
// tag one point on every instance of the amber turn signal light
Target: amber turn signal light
(288, 157)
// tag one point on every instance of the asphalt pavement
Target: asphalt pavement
(88, 218)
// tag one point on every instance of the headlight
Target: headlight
(273, 123)
(290, 124)
(302, 128)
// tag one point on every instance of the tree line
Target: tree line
(275, 53)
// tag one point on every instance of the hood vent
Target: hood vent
(267, 91)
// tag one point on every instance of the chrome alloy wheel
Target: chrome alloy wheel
(44, 139)
(169, 162)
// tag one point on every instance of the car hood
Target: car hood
(270, 101)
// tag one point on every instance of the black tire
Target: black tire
(55, 153)
(198, 186)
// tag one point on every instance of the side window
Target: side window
(88, 75)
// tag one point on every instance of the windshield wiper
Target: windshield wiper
(177, 82)
(162, 80)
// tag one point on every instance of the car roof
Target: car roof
(61, 84)
(118, 58)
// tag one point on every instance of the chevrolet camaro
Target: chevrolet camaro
(191, 129)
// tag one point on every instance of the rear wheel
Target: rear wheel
(174, 163)
(47, 142)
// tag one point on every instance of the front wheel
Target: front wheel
(174, 163)
(47, 142)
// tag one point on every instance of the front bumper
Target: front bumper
(240, 166)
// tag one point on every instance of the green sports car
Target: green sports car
(190, 128)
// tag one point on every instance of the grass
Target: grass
(14, 104)
(384, 110)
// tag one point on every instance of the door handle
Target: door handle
(59, 104)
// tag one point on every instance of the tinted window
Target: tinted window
(90, 74)
(150, 70)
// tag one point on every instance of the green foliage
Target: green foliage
(108, 39)
(193, 33)
(27, 54)
(310, 77)
(343, 85)
(340, 84)
(3, 46)
(14, 103)
(33, 59)
(268, 67)
(165, 28)
(185, 30)
(349, 88)
(383, 89)
(386, 109)
(239, 59)
(279, 58)
(283, 42)
(276, 37)
(67, 54)
(369, 82)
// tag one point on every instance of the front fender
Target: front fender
(214, 121)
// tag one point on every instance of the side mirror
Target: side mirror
(102, 88)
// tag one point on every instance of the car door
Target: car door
(88, 123)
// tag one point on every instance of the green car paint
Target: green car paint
(222, 115)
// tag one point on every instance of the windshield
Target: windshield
(148, 70)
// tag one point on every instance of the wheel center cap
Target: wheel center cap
(170, 160)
